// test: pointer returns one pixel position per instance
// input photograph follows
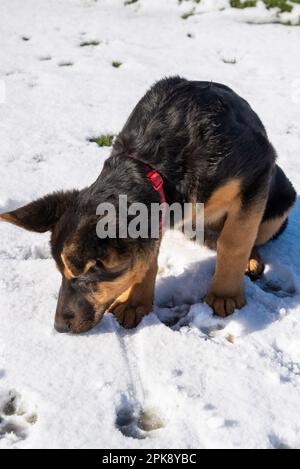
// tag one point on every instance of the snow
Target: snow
(201, 381)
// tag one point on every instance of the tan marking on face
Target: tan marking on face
(109, 291)
(65, 256)
(135, 288)
(141, 288)
(270, 228)
(123, 289)
(67, 271)
(89, 265)
(220, 201)
(132, 305)
(114, 261)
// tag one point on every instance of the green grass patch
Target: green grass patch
(284, 6)
(186, 15)
(89, 43)
(243, 3)
(103, 140)
(280, 6)
(116, 64)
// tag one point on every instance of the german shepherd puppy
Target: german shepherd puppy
(208, 146)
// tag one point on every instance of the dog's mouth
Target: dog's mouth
(84, 326)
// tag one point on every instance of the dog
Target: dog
(205, 144)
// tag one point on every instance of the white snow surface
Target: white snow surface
(209, 382)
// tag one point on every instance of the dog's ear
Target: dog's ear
(42, 215)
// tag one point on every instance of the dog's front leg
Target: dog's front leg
(137, 301)
(233, 250)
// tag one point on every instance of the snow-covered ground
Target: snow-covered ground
(205, 382)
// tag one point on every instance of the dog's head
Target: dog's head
(94, 272)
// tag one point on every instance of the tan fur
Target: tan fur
(130, 296)
(65, 257)
(114, 262)
(255, 266)
(233, 250)
(137, 301)
(67, 271)
(270, 228)
(109, 291)
(9, 219)
(219, 203)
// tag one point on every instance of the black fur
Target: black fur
(198, 136)
(281, 195)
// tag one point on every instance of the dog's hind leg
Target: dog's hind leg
(272, 229)
(255, 267)
(281, 199)
(275, 220)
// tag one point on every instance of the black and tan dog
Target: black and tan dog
(208, 146)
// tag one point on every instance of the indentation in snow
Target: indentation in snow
(136, 422)
(16, 418)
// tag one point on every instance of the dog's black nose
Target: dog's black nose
(62, 326)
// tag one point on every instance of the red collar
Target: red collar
(155, 178)
(157, 183)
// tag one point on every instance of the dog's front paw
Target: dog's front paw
(129, 316)
(224, 305)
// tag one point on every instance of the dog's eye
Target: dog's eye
(98, 269)
(84, 285)
(81, 285)
(100, 264)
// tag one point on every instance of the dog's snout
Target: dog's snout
(68, 316)
(62, 326)
(74, 314)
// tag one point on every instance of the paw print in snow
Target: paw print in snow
(16, 418)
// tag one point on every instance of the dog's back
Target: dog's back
(198, 135)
